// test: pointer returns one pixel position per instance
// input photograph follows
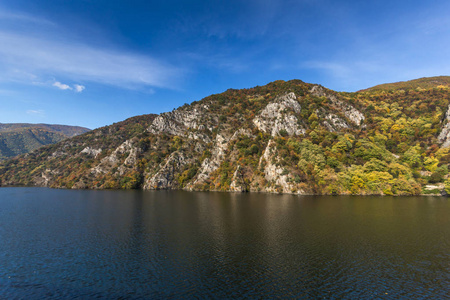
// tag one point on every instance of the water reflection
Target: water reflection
(163, 244)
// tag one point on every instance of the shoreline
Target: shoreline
(238, 192)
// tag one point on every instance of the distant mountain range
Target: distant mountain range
(20, 138)
(284, 137)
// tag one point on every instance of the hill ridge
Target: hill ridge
(20, 138)
(424, 82)
(283, 137)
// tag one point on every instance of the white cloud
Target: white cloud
(22, 54)
(78, 88)
(62, 86)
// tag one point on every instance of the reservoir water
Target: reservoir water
(65, 244)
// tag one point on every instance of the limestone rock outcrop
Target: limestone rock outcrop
(280, 116)
(347, 109)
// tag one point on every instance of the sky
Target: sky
(92, 63)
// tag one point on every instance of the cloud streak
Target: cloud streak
(38, 112)
(43, 58)
(10, 16)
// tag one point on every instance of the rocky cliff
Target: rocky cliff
(285, 137)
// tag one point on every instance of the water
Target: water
(64, 244)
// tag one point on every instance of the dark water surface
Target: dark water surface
(62, 244)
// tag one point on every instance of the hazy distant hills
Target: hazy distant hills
(283, 137)
(20, 138)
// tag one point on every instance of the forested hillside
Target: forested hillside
(20, 138)
(286, 137)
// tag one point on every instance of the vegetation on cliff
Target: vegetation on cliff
(20, 138)
(289, 137)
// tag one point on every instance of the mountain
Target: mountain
(424, 83)
(20, 138)
(284, 137)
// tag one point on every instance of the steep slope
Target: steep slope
(20, 138)
(57, 163)
(289, 137)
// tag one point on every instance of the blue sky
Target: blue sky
(94, 62)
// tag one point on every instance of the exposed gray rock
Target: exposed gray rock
(240, 132)
(199, 136)
(275, 174)
(280, 115)
(179, 121)
(164, 178)
(439, 186)
(46, 178)
(354, 115)
(112, 160)
(57, 154)
(444, 136)
(334, 123)
(91, 151)
(238, 183)
(211, 164)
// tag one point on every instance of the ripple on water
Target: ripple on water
(59, 244)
